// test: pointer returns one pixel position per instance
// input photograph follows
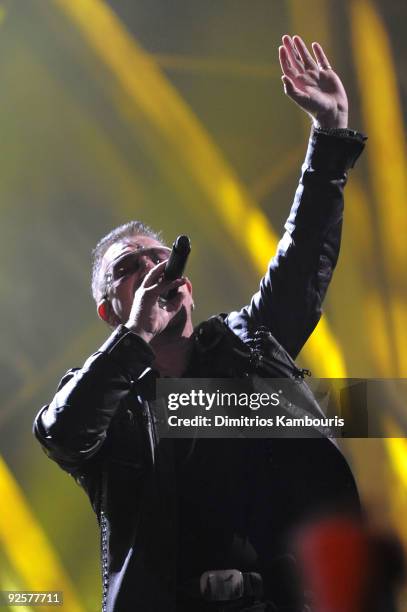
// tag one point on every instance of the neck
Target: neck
(172, 353)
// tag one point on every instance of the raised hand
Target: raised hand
(310, 81)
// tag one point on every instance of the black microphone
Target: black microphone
(176, 263)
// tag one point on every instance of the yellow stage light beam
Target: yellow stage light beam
(396, 451)
(379, 339)
(9, 583)
(387, 157)
(396, 447)
(27, 547)
(167, 112)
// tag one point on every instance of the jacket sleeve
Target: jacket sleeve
(290, 296)
(73, 426)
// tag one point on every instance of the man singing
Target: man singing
(170, 511)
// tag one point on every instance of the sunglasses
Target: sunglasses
(133, 263)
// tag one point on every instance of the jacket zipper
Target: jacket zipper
(284, 368)
(104, 546)
(152, 435)
(257, 359)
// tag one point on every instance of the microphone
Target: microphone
(176, 263)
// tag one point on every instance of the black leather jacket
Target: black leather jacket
(100, 425)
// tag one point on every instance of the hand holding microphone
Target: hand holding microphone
(158, 300)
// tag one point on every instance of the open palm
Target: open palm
(310, 81)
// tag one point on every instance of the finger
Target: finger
(172, 305)
(154, 274)
(163, 286)
(295, 58)
(305, 55)
(285, 63)
(293, 92)
(321, 58)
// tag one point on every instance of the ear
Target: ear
(106, 313)
(188, 285)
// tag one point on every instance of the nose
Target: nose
(149, 260)
(145, 265)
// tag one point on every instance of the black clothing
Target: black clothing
(229, 501)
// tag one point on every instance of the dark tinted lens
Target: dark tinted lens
(158, 255)
(131, 263)
(126, 266)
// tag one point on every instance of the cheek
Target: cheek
(122, 301)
